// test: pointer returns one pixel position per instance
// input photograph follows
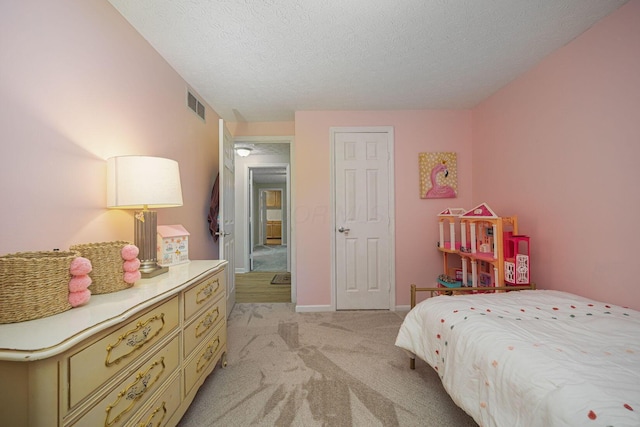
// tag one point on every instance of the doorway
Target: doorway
(268, 222)
(269, 225)
(262, 215)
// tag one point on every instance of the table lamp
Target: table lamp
(142, 182)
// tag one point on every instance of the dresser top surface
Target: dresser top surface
(48, 336)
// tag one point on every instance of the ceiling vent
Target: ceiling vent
(195, 105)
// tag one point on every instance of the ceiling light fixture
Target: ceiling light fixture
(243, 151)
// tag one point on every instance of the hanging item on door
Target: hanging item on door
(438, 175)
(214, 206)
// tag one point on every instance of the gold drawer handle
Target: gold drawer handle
(207, 321)
(207, 354)
(207, 291)
(135, 391)
(135, 338)
(149, 421)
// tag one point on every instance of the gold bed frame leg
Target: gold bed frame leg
(413, 295)
(412, 360)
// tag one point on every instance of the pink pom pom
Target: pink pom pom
(79, 298)
(79, 283)
(132, 265)
(129, 252)
(132, 276)
(80, 266)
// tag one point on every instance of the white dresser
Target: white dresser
(130, 358)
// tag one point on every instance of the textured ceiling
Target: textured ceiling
(262, 60)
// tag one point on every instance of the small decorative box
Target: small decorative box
(173, 245)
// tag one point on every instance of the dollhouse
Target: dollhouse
(488, 253)
(173, 245)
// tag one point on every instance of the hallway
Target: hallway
(256, 286)
(270, 258)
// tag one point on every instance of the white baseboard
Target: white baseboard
(324, 308)
(240, 270)
(313, 308)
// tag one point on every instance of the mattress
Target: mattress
(531, 358)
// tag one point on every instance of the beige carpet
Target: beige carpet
(319, 369)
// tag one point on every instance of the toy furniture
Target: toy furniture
(173, 245)
(489, 252)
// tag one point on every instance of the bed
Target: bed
(532, 357)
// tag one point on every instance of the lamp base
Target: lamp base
(145, 238)
(153, 272)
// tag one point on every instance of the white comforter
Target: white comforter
(531, 358)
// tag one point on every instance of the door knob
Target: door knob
(343, 230)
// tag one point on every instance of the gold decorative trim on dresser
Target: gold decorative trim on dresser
(135, 357)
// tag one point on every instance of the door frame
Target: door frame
(392, 232)
(262, 209)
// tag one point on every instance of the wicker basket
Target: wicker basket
(34, 285)
(106, 259)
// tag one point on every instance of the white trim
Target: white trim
(405, 308)
(265, 139)
(392, 222)
(314, 308)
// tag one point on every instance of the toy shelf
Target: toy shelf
(482, 249)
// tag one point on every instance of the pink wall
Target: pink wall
(560, 147)
(78, 85)
(417, 259)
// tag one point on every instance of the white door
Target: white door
(226, 234)
(363, 214)
(262, 208)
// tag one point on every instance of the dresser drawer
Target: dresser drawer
(135, 390)
(203, 293)
(204, 357)
(161, 409)
(103, 359)
(203, 325)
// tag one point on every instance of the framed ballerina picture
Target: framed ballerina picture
(438, 175)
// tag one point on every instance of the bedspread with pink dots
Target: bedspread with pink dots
(531, 358)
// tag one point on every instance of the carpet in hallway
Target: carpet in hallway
(270, 258)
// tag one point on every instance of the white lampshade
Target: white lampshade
(135, 182)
